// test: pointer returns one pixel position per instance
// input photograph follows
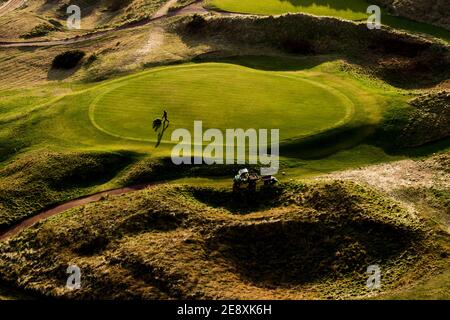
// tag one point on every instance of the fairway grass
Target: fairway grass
(347, 9)
(355, 10)
(213, 93)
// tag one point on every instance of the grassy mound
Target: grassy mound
(65, 122)
(430, 120)
(394, 57)
(41, 179)
(350, 9)
(426, 121)
(430, 11)
(287, 253)
(164, 243)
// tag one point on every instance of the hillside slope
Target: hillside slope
(435, 12)
(295, 241)
(47, 18)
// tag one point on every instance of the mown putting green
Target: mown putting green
(223, 96)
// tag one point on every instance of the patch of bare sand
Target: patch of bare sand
(393, 179)
(155, 40)
(389, 177)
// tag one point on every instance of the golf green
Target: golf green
(223, 96)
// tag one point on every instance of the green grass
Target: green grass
(212, 93)
(347, 9)
(309, 102)
(326, 117)
(85, 157)
(306, 99)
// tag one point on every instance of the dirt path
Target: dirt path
(16, 229)
(390, 177)
(196, 7)
(10, 6)
(163, 12)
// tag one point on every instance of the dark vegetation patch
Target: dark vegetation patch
(40, 30)
(196, 23)
(149, 170)
(286, 253)
(91, 59)
(298, 46)
(241, 202)
(392, 45)
(115, 5)
(68, 60)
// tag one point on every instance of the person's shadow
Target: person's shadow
(160, 128)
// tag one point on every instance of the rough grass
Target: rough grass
(352, 10)
(40, 30)
(426, 120)
(96, 14)
(164, 243)
(430, 11)
(40, 179)
(392, 56)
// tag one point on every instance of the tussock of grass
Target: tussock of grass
(40, 30)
